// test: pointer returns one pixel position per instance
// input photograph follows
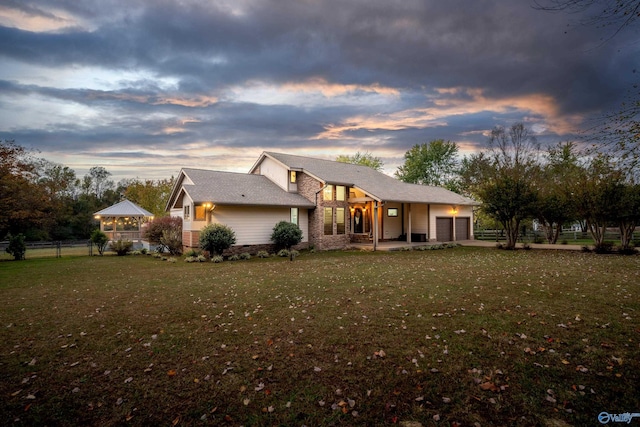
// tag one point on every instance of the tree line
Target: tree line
(44, 200)
(517, 180)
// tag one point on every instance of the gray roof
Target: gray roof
(230, 188)
(124, 208)
(374, 183)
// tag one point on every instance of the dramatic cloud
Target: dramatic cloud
(145, 88)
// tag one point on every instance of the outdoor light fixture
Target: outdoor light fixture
(454, 210)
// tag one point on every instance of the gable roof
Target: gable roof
(231, 188)
(376, 184)
(124, 208)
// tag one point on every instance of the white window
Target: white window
(187, 212)
(294, 216)
(340, 193)
(293, 177)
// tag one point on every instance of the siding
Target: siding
(392, 225)
(254, 225)
(419, 220)
(275, 172)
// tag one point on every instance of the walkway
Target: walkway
(399, 246)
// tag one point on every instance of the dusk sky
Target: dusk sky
(144, 88)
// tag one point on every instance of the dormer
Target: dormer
(279, 173)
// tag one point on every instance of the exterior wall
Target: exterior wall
(275, 172)
(310, 188)
(392, 226)
(419, 218)
(254, 225)
(447, 211)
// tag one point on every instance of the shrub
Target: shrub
(155, 233)
(172, 259)
(99, 239)
(192, 253)
(121, 247)
(16, 247)
(262, 254)
(217, 258)
(245, 256)
(144, 251)
(283, 253)
(172, 240)
(286, 234)
(234, 257)
(216, 238)
(190, 259)
(603, 248)
(201, 258)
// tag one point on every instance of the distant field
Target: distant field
(464, 335)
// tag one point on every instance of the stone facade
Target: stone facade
(311, 189)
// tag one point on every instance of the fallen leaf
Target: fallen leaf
(176, 421)
(488, 386)
(171, 372)
(128, 380)
(246, 402)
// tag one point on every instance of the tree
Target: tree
(628, 214)
(363, 159)
(618, 14)
(166, 232)
(506, 188)
(434, 163)
(620, 132)
(16, 246)
(556, 203)
(216, 238)
(60, 187)
(286, 234)
(597, 194)
(149, 194)
(24, 204)
(509, 200)
(98, 180)
(99, 239)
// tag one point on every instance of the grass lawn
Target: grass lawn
(464, 335)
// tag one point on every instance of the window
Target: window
(292, 177)
(187, 212)
(340, 220)
(200, 213)
(294, 216)
(327, 193)
(340, 192)
(328, 221)
(392, 212)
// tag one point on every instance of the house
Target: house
(123, 221)
(334, 204)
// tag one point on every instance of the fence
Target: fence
(54, 249)
(539, 236)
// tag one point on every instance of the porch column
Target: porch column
(375, 225)
(409, 223)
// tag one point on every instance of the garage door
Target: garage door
(462, 228)
(444, 229)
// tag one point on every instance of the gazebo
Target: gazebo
(123, 221)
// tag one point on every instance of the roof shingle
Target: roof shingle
(374, 183)
(230, 188)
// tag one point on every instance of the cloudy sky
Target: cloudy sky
(146, 87)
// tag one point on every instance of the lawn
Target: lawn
(457, 336)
